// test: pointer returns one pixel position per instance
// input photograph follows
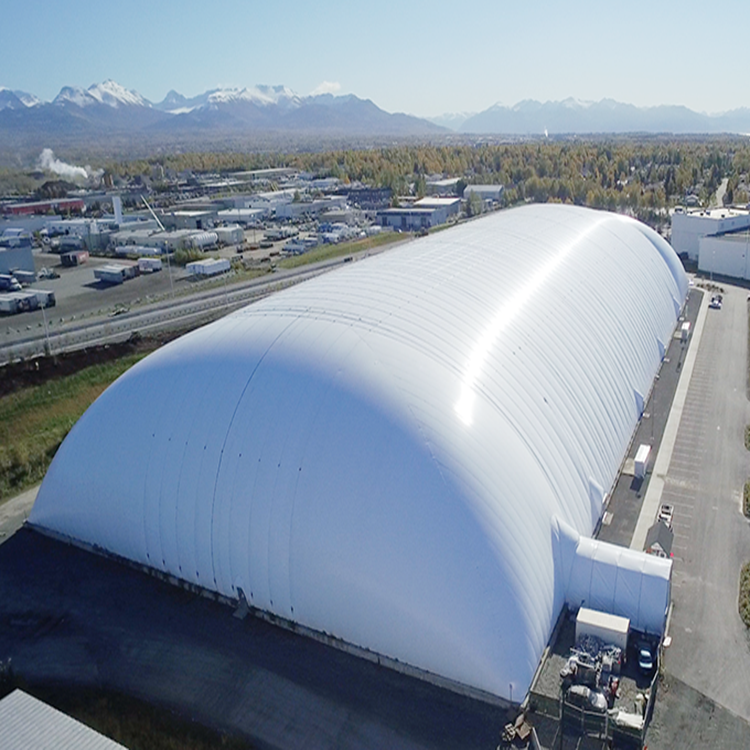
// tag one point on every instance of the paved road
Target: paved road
(720, 192)
(29, 340)
(73, 616)
(15, 511)
(706, 474)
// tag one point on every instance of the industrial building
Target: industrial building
(408, 454)
(442, 186)
(189, 219)
(16, 258)
(726, 254)
(312, 208)
(451, 205)
(13, 237)
(491, 193)
(29, 724)
(717, 239)
(58, 205)
(413, 219)
(689, 226)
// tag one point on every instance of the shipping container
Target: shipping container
(208, 267)
(27, 301)
(611, 629)
(45, 298)
(115, 274)
(149, 265)
(9, 283)
(25, 277)
(75, 258)
(8, 304)
(641, 460)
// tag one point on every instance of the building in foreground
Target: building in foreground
(29, 724)
(408, 454)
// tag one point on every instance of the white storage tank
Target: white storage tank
(203, 239)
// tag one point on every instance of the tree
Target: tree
(474, 204)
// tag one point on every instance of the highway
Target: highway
(26, 336)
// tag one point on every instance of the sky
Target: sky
(422, 58)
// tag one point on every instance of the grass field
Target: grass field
(744, 599)
(327, 252)
(34, 421)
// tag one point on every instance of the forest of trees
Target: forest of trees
(639, 177)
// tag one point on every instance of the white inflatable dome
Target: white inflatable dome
(386, 453)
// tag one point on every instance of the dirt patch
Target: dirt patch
(39, 370)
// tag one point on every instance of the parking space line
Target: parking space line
(664, 456)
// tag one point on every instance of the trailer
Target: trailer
(74, 258)
(641, 460)
(610, 629)
(17, 302)
(8, 304)
(24, 277)
(9, 283)
(208, 267)
(149, 265)
(115, 274)
(45, 298)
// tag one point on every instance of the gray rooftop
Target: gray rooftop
(30, 724)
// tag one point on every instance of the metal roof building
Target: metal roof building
(407, 453)
(27, 723)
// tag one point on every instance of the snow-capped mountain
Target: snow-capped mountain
(281, 96)
(109, 110)
(16, 99)
(108, 93)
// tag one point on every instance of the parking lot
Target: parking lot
(708, 469)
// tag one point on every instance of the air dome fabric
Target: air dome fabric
(384, 453)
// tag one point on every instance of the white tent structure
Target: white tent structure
(401, 453)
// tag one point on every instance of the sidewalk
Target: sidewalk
(15, 511)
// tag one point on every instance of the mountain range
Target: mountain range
(605, 116)
(109, 111)
(110, 108)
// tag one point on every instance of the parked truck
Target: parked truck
(9, 283)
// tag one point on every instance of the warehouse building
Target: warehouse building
(413, 219)
(408, 454)
(452, 206)
(726, 254)
(689, 226)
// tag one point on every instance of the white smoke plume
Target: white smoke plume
(50, 163)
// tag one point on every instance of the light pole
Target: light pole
(46, 330)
